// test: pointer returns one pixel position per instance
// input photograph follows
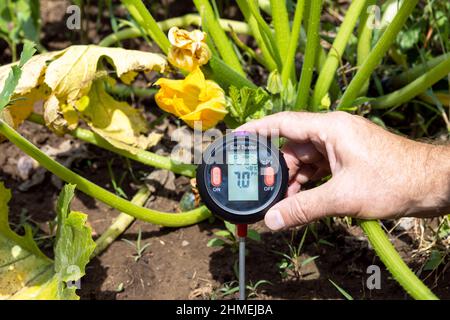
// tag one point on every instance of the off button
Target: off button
(269, 176)
(216, 176)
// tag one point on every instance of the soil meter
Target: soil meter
(241, 176)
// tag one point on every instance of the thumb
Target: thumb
(303, 207)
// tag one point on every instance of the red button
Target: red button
(269, 176)
(216, 176)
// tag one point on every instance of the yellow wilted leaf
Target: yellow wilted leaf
(29, 90)
(64, 79)
(117, 122)
(70, 77)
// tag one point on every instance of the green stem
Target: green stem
(418, 86)
(416, 71)
(93, 190)
(442, 97)
(289, 65)
(127, 91)
(219, 36)
(312, 43)
(266, 33)
(280, 21)
(182, 22)
(337, 50)
(120, 224)
(375, 57)
(145, 20)
(364, 42)
(226, 76)
(256, 33)
(394, 263)
(142, 156)
(258, 58)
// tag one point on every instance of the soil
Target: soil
(178, 264)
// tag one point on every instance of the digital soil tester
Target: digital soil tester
(241, 176)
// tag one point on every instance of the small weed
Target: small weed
(138, 247)
(229, 238)
(291, 262)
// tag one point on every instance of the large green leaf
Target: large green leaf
(25, 272)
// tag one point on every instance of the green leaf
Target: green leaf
(308, 260)
(230, 227)
(254, 235)
(222, 233)
(15, 74)
(74, 244)
(409, 37)
(26, 273)
(216, 242)
(434, 261)
(342, 291)
(247, 103)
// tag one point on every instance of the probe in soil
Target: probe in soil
(242, 234)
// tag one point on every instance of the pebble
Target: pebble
(184, 243)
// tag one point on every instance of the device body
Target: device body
(241, 176)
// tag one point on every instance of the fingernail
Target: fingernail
(274, 220)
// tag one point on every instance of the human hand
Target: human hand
(375, 174)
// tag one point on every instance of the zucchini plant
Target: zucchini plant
(216, 87)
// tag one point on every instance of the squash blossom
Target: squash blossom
(189, 49)
(192, 99)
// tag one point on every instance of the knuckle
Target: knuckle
(298, 214)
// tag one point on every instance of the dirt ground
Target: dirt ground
(178, 264)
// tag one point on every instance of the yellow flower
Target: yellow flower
(192, 99)
(189, 49)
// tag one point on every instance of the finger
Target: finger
(304, 152)
(291, 161)
(294, 187)
(296, 126)
(305, 173)
(303, 208)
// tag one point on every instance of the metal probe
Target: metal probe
(242, 234)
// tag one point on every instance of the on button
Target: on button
(216, 176)
(269, 176)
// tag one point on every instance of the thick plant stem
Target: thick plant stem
(312, 43)
(120, 224)
(142, 156)
(256, 33)
(93, 190)
(289, 65)
(394, 263)
(145, 20)
(226, 76)
(442, 97)
(280, 21)
(266, 33)
(415, 88)
(416, 71)
(184, 21)
(216, 32)
(337, 50)
(375, 57)
(365, 32)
